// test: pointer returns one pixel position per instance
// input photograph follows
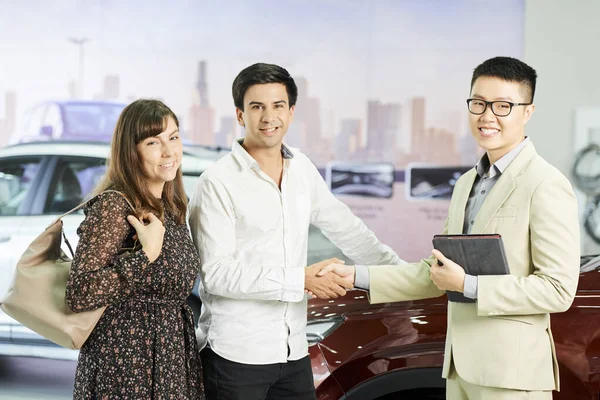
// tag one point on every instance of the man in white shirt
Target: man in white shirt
(249, 217)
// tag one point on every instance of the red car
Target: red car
(390, 351)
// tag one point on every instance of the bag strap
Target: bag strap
(77, 208)
(87, 201)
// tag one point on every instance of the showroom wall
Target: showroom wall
(562, 44)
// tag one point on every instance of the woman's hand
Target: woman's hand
(150, 233)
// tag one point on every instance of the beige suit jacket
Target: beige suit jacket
(504, 339)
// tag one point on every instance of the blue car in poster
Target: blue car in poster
(69, 120)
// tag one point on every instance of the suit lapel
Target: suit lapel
(456, 216)
(503, 188)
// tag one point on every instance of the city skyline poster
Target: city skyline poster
(382, 85)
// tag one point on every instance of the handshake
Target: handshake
(328, 279)
(331, 278)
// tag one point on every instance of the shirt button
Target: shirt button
(483, 192)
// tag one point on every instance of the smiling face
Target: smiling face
(266, 115)
(499, 135)
(160, 157)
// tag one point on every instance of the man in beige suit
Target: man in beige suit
(501, 346)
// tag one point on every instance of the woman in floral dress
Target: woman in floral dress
(143, 346)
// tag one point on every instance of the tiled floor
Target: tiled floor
(33, 378)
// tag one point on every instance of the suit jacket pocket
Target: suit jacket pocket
(506, 212)
(533, 319)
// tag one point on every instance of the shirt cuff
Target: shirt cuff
(362, 277)
(293, 285)
(470, 288)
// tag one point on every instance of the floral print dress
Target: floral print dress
(143, 346)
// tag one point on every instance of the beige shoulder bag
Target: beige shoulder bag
(36, 296)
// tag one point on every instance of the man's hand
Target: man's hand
(346, 272)
(327, 286)
(449, 276)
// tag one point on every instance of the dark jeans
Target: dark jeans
(228, 380)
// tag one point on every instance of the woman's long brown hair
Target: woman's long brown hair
(138, 121)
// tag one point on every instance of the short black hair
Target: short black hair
(261, 73)
(511, 70)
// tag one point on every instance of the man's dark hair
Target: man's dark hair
(511, 70)
(262, 73)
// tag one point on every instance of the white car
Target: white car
(40, 181)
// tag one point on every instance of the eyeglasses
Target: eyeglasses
(499, 108)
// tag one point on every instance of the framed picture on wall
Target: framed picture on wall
(432, 182)
(366, 180)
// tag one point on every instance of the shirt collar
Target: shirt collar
(246, 160)
(483, 167)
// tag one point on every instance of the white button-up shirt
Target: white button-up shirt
(252, 239)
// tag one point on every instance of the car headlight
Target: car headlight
(319, 329)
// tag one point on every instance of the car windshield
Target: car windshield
(16, 178)
(95, 120)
